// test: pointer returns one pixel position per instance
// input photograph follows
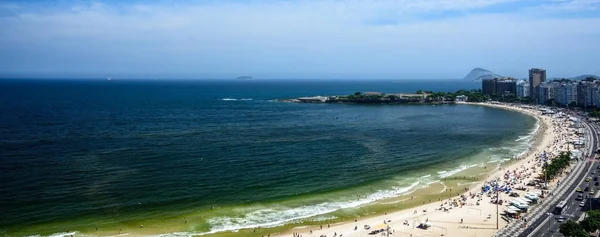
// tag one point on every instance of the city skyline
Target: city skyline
(297, 39)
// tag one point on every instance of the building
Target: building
(583, 94)
(502, 86)
(372, 93)
(522, 89)
(461, 98)
(588, 93)
(567, 94)
(506, 87)
(488, 86)
(595, 95)
(536, 77)
(547, 91)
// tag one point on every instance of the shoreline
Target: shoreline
(448, 224)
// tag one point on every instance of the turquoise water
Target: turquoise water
(80, 155)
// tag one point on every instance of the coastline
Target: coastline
(448, 223)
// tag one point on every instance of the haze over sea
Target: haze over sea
(184, 157)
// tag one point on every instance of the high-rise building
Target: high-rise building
(595, 95)
(501, 87)
(536, 77)
(547, 91)
(567, 93)
(587, 93)
(522, 89)
(506, 87)
(488, 86)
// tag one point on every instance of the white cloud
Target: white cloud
(287, 37)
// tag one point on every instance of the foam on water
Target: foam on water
(323, 218)
(279, 215)
(521, 138)
(60, 234)
(425, 176)
(445, 174)
(234, 99)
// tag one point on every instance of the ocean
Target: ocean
(184, 157)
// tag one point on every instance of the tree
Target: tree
(573, 104)
(572, 229)
(357, 93)
(592, 222)
(557, 165)
(419, 92)
(594, 113)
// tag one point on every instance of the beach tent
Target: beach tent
(524, 200)
(532, 196)
(511, 211)
(514, 208)
(516, 201)
(520, 205)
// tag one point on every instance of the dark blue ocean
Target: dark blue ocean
(76, 155)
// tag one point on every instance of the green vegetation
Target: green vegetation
(557, 165)
(512, 99)
(572, 229)
(594, 113)
(590, 224)
(472, 95)
(361, 97)
(421, 96)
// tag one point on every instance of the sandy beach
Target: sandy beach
(471, 213)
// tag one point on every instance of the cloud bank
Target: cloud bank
(298, 39)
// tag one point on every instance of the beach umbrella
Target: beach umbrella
(380, 226)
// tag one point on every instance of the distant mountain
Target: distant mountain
(478, 74)
(577, 78)
(582, 77)
(245, 78)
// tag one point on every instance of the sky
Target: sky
(297, 39)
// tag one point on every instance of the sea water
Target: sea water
(214, 156)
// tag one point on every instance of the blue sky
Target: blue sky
(381, 39)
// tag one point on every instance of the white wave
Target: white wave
(444, 189)
(323, 218)
(522, 153)
(425, 176)
(60, 234)
(229, 99)
(181, 234)
(445, 174)
(521, 138)
(277, 216)
(246, 99)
